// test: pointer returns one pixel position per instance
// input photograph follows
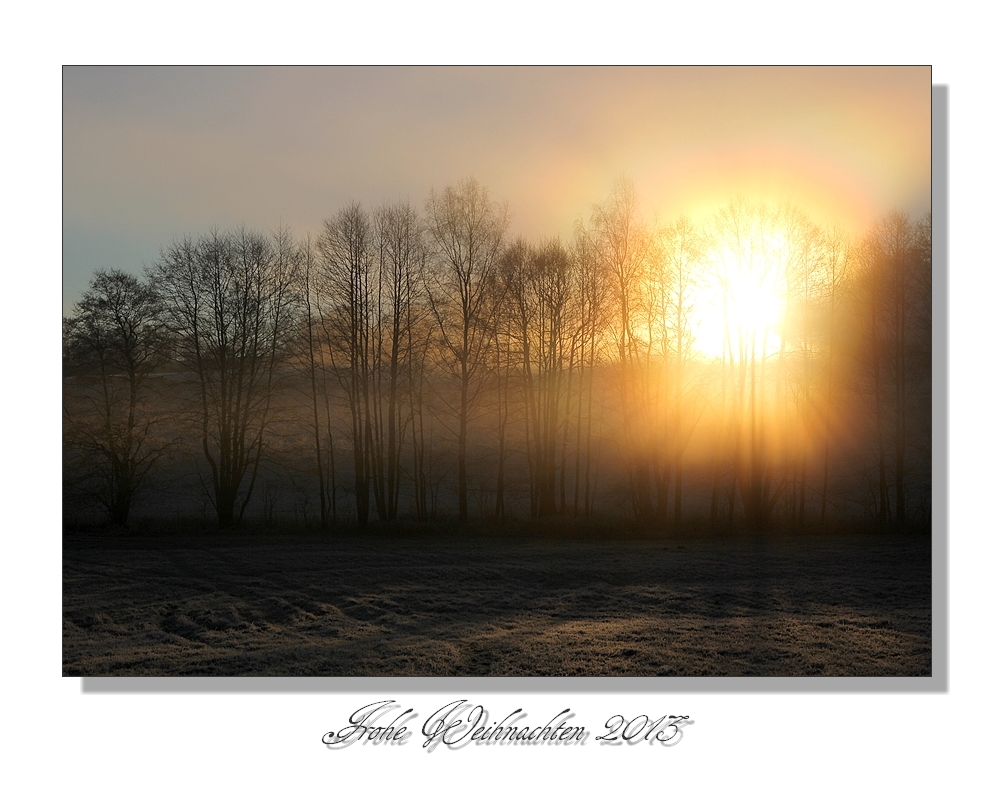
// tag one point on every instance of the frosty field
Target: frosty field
(480, 604)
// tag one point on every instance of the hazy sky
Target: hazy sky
(151, 154)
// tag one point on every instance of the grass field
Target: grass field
(483, 603)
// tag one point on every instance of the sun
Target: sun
(738, 302)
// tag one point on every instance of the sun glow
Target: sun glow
(739, 302)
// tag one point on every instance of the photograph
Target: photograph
(498, 372)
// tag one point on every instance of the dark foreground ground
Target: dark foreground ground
(465, 604)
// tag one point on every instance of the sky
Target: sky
(153, 154)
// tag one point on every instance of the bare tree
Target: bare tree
(402, 259)
(897, 238)
(230, 301)
(420, 331)
(318, 394)
(835, 259)
(591, 315)
(893, 292)
(350, 291)
(466, 231)
(749, 255)
(682, 251)
(114, 341)
(624, 245)
(799, 258)
(539, 283)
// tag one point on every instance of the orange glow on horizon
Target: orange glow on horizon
(829, 194)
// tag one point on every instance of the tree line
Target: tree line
(408, 361)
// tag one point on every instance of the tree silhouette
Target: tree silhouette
(835, 259)
(682, 253)
(114, 342)
(402, 259)
(466, 232)
(625, 246)
(318, 391)
(350, 289)
(755, 255)
(894, 300)
(754, 369)
(230, 301)
(538, 285)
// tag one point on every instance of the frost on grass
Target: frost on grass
(382, 605)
